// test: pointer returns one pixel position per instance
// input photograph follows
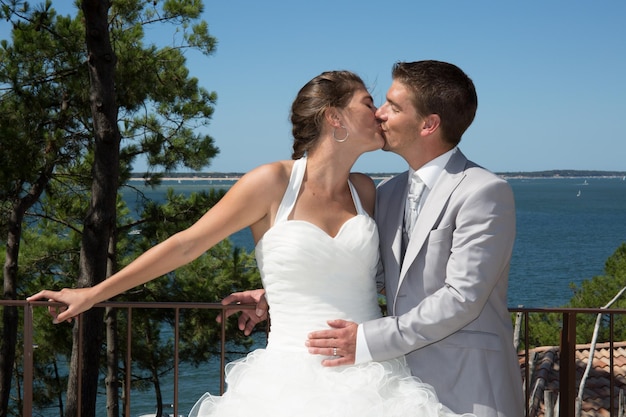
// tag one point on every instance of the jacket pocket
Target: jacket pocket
(473, 339)
(437, 235)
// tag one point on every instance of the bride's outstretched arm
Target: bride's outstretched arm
(248, 203)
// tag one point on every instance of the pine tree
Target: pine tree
(67, 84)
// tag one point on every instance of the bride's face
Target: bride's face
(360, 120)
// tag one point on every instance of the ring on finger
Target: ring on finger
(334, 351)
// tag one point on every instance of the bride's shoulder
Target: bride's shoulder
(268, 177)
(274, 171)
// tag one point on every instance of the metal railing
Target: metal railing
(28, 348)
(567, 368)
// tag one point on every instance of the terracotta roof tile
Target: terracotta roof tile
(544, 377)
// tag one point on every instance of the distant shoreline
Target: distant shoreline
(542, 177)
(233, 178)
(554, 174)
(222, 178)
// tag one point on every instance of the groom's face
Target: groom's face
(400, 121)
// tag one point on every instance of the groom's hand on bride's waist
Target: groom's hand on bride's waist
(248, 317)
(338, 343)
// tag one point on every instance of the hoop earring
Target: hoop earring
(345, 138)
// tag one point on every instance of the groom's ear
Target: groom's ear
(431, 124)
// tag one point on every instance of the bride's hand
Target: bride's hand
(74, 300)
(339, 343)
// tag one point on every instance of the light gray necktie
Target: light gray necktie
(416, 188)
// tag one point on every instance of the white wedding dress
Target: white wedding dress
(309, 278)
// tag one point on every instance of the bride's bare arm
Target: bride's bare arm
(249, 202)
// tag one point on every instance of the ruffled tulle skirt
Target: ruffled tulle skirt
(272, 383)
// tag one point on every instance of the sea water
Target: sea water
(566, 230)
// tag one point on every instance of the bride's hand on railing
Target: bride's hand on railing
(74, 300)
(248, 318)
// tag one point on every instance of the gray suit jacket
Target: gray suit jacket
(447, 296)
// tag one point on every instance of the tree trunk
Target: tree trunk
(10, 316)
(100, 221)
(112, 378)
(157, 389)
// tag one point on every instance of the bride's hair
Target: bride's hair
(329, 89)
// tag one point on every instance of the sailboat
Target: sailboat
(578, 195)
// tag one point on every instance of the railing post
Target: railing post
(611, 365)
(176, 352)
(28, 361)
(223, 351)
(567, 371)
(79, 361)
(526, 364)
(128, 374)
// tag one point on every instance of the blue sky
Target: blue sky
(550, 75)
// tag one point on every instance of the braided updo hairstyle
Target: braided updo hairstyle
(329, 89)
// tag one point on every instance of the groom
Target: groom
(446, 275)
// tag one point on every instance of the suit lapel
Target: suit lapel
(393, 219)
(431, 211)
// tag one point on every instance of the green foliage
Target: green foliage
(42, 98)
(50, 359)
(593, 293)
(44, 90)
(545, 329)
(598, 292)
(217, 273)
(156, 78)
(615, 266)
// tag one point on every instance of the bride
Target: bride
(317, 250)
